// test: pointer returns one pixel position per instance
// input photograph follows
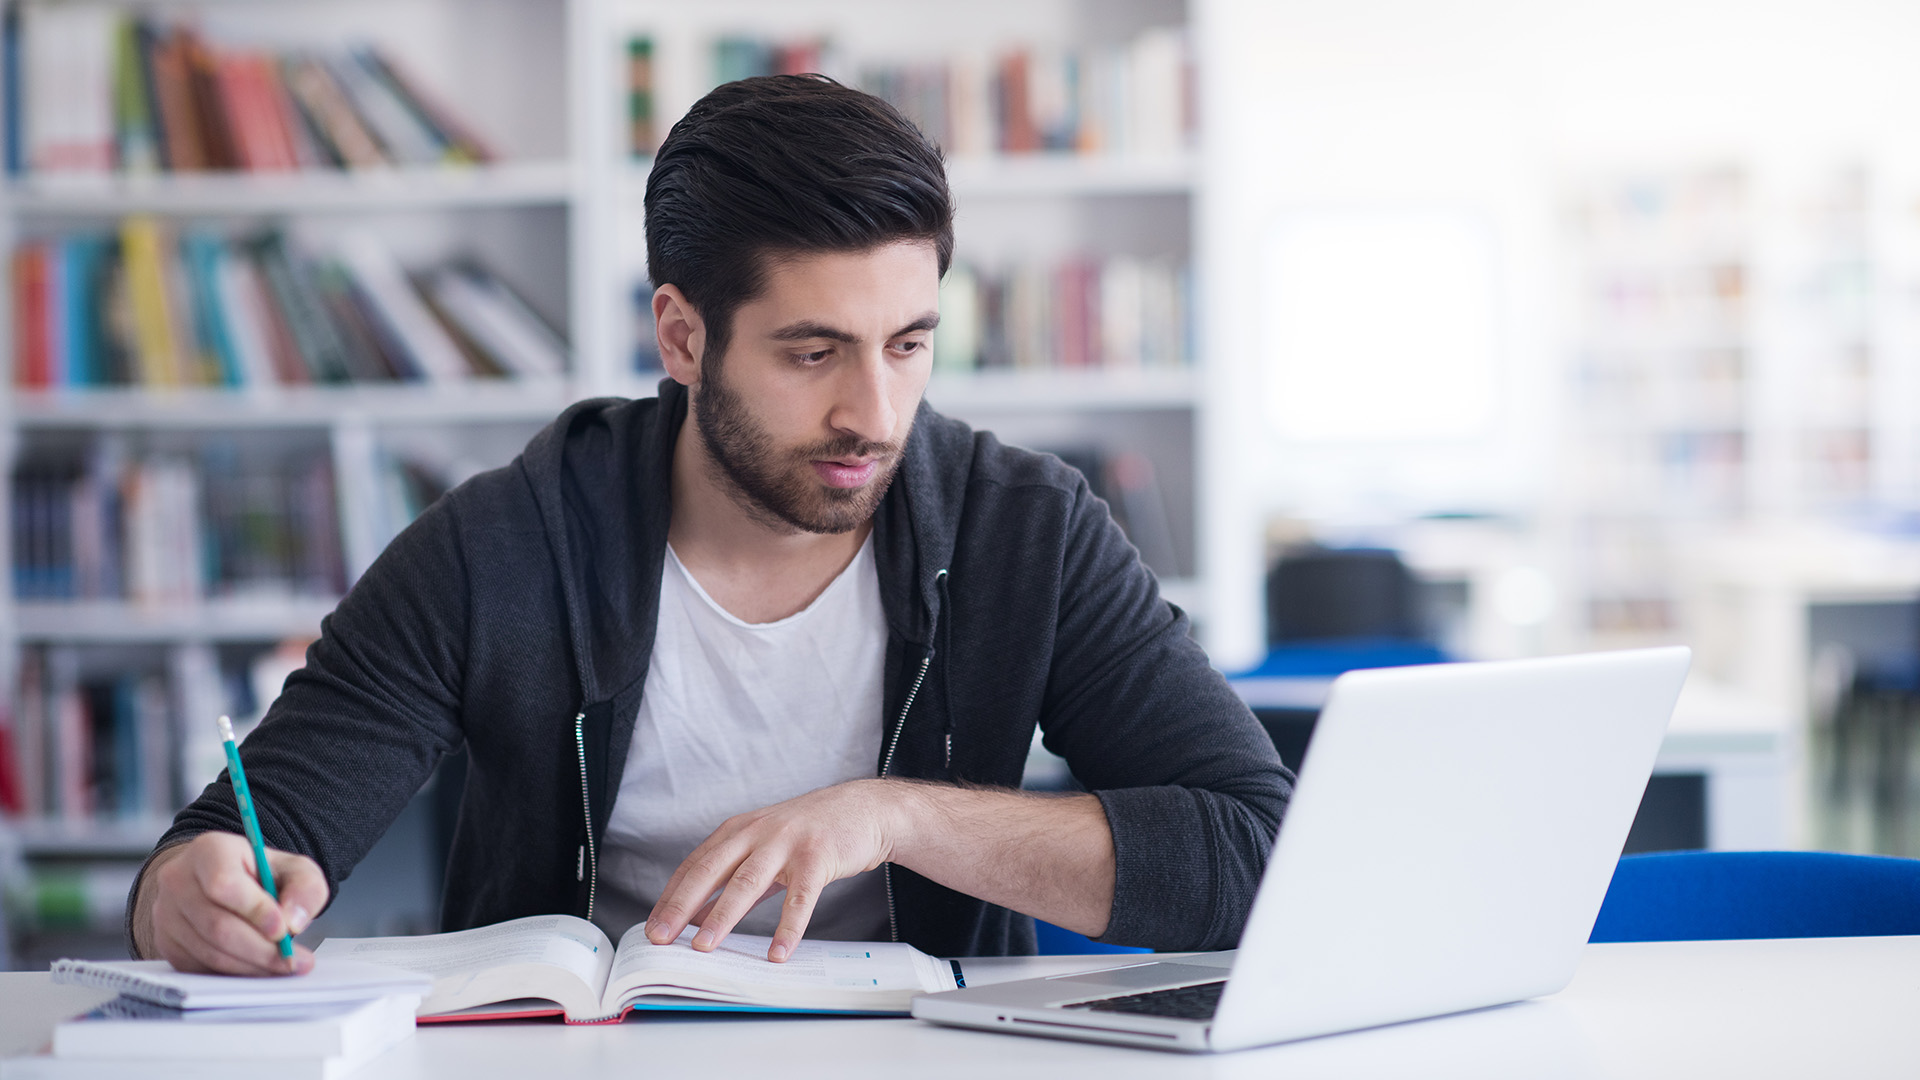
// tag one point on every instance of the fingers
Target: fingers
(697, 878)
(302, 886)
(803, 892)
(706, 909)
(227, 947)
(232, 886)
(750, 884)
(211, 914)
(799, 845)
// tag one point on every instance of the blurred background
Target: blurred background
(1392, 331)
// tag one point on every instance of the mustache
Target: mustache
(848, 447)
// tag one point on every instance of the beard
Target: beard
(778, 486)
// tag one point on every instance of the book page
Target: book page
(538, 956)
(882, 976)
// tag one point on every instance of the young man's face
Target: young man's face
(806, 415)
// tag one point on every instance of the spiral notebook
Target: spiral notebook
(332, 979)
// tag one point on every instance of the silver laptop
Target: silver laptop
(1447, 849)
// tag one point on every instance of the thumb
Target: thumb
(302, 887)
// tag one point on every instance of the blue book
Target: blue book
(202, 253)
(128, 791)
(80, 261)
(10, 88)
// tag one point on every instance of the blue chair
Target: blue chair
(1055, 941)
(1718, 895)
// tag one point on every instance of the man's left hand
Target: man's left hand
(800, 845)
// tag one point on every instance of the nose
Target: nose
(865, 407)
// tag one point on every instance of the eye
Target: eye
(809, 359)
(910, 346)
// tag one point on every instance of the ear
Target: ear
(681, 334)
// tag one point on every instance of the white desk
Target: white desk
(1842, 1007)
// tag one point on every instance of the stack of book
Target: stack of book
(146, 307)
(1133, 99)
(166, 530)
(102, 91)
(324, 1025)
(1123, 313)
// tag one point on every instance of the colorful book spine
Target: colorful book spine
(90, 89)
(1121, 313)
(142, 307)
(1133, 98)
(82, 740)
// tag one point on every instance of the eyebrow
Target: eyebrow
(808, 330)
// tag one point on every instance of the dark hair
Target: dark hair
(785, 165)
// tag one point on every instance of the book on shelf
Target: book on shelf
(1122, 313)
(559, 965)
(13, 787)
(102, 734)
(94, 745)
(149, 306)
(642, 136)
(1133, 98)
(164, 529)
(101, 91)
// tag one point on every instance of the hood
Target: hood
(601, 477)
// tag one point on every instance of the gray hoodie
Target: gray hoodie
(516, 618)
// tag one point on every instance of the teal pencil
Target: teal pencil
(251, 821)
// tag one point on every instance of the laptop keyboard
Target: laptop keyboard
(1196, 1002)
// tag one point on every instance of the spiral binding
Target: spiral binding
(132, 984)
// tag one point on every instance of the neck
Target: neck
(754, 569)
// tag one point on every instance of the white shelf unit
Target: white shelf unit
(512, 68)
(1046, 205)
(93, 622)
(502, 184)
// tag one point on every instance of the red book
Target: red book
(251, 114)
(1070, 315)
(1018, 135)
(264, 76)
(13, 796)
(33, 352)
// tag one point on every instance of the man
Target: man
(782, 630)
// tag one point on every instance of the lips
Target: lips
(846, 473)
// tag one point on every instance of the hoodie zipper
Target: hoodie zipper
(886, 762)
(588, 859)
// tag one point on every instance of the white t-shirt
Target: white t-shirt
(736, 716)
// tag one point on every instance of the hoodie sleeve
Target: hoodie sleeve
(1192, 786)
(356, 731)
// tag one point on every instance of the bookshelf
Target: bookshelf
(510, 66)
(558, 216)
(1066, 191)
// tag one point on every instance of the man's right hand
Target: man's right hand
(201, 907)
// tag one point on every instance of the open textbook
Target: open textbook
(546, 965)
